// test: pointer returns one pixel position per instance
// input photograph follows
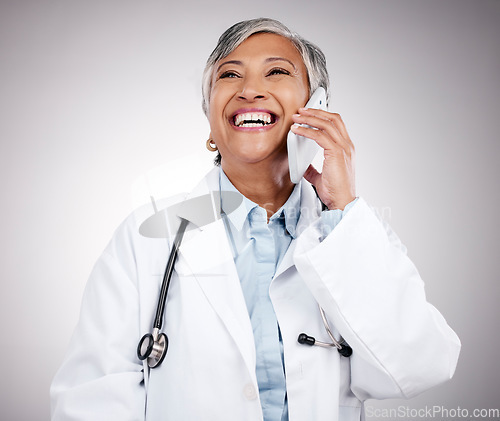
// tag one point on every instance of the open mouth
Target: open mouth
(254, 119)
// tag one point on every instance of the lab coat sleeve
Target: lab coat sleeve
(371, 291)
(101, 377)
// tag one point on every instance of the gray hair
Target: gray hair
(313, 57)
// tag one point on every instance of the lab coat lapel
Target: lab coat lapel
(310, 210)
(206, 255)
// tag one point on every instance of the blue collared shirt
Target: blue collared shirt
(258, 249)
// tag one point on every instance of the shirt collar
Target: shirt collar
(290, 210)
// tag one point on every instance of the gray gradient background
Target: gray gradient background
(96, 93)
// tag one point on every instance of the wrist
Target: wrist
(340, 203)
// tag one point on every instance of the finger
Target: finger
(325, 121)
(319, 136)
(333, 117)
(325, 125)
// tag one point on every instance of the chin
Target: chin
(257, 157)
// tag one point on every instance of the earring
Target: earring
(211, 146)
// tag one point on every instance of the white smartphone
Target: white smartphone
(301, 150)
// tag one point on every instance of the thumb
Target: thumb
(312, 175)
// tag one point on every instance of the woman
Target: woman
(248, 283)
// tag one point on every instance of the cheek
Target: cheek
(302, 91)
(218, 101)
(297, 95)
(213, 109)
(294, 101)
(216, 117)
(305, 94)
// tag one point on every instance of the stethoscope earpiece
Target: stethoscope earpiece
(306, 339)
(345, 351)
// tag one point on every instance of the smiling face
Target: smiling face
(255, 91)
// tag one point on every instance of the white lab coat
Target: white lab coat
(360, 275)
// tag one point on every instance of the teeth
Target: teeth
(251, 125)
(252, 119)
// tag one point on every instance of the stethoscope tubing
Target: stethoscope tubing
(167, 276)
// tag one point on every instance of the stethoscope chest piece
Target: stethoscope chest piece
(153, 347)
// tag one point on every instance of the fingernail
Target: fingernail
(296, 115)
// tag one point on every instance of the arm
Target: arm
(101, 377)
(368, 287)
(373, 294)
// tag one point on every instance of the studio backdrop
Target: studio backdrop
(101, 101)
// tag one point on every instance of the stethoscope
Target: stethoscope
(342, 346)
(153, 346)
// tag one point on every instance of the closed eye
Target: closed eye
(229, 74)
(278, 71)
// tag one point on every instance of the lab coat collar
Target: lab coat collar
(206, 257)
(201, 207)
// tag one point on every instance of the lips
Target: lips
(253, 118)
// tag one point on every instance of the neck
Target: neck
(267, 185)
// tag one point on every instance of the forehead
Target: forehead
(264, 45)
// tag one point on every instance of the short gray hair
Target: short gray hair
(313, 57)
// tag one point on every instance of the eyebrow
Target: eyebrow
(239, 63)
(271, 59)
(268, 60)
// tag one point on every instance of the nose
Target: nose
(252, 89)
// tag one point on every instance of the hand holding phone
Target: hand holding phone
(335, 184)
(301, 150)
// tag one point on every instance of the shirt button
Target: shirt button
(250, 392)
